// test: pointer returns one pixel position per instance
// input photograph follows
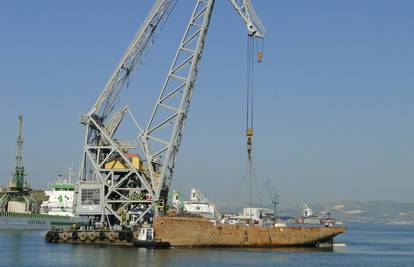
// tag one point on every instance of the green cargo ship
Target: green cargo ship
(31, 221)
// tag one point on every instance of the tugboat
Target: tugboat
(146, 239)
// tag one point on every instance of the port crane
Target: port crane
(19, 188)
(119, 187)
(274, 197)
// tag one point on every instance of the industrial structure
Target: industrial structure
(274, 197)
(123, 182)
(18, 209)
(17, 198)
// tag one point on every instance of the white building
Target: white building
(256, 213)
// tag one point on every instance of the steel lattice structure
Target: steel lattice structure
(115, 186)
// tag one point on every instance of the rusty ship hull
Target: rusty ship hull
(200, 232)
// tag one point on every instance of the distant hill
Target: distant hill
(387, 212)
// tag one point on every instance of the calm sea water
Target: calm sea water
(367, 245)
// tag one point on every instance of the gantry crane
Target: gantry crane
(120, 187)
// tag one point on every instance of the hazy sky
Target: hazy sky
(334, 113)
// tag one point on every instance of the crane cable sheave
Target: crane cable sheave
(254, 25)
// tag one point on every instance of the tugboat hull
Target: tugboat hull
(151, 244)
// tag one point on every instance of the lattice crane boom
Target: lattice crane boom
(111, 186)
(179, 84)
(119, 187)
(174, 100)
(131, 59)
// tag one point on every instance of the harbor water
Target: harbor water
(366, 245)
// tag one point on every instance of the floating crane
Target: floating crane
(117, 186)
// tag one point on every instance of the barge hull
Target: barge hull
(200, 232)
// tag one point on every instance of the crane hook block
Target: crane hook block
(259, 56)
(249, 132)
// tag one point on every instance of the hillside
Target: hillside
(388, 212)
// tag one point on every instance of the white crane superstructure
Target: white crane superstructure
(116, 186)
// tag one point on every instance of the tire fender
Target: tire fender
(64, 236)
(135, 235)
(111, 236)
(82, 236)
(92, 236)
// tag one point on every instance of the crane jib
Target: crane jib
(121, 181)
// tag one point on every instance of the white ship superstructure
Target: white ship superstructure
(60, 200)
(198, 204)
